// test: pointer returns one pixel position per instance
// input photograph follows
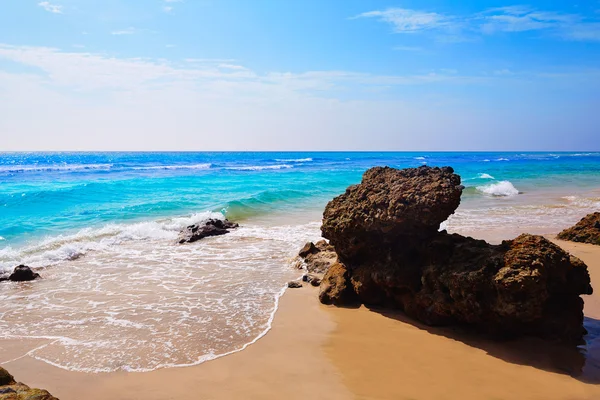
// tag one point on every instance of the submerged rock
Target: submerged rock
(585, 231)
(23, 273)
(212, 227)
(385, 232)
(11, 390)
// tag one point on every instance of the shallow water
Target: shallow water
(118, 294)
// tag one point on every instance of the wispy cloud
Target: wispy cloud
(511, 19)
(127, 31)
(404, 20)
(53, 8)
(414, 49)
(168, 7)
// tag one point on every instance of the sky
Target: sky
(203, 75)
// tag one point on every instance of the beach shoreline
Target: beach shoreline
(316, 351)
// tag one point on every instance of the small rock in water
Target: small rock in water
(294, 285)
(212, 227)
(23, 273)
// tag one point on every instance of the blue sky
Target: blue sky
(305, 75)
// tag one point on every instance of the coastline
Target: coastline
(316, 351)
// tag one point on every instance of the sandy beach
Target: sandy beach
(321, 352)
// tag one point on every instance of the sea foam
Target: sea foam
(502, 188)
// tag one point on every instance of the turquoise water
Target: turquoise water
(45, 194)
(117, 291)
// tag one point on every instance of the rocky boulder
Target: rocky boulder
(392, 255)
(212, 227)
(585, 231)
(318, 257)
(11, 390)
(388, 203)
(23, 273)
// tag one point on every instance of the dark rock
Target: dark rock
(525, 286)
(23, 273)
(212, 227)
(6, 378)
(315, 281)
(309, 248)
(11, 390)
(388, 203)
(294, 285)
(585, 231)
(335, 286)
(318, 257)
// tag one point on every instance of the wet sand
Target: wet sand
(319, 352)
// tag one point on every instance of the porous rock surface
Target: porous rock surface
(585, 231)
(318, 257)
(12, 390)
(212, 227)
(385, 233)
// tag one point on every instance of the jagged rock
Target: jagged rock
(23, 273)
(387, 258)
(318, 257)
(335, 286)
(212, 227)
(6, 378)
(294, 285)
(390, 202)
(585, 231)
(11, 390)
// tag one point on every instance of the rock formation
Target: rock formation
(11, 390)
(585, 231)
(385, 233)
(212, 227)
(21, 273)
(318, 257)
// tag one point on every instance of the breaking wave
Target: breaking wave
(501, 189)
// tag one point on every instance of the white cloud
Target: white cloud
(167, 9)
(409, 21)
(97, 102)
(460, 28)
(414, 49)
(128, 31)
(53, 8)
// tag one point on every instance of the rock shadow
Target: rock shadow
(581, 362)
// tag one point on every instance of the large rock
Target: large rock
(585, 231)
(389, 257)
(11, 390)
(212, 227)
(23, 273)
(388, 203)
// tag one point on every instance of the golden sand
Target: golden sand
(320, 352)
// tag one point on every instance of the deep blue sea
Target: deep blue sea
(117, 292)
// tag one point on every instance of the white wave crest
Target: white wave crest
(260, 167)
(502, 159)
(42, 168)
(419, 158)
(502, 188)
(56, 249)
(155, 167)
(299, 160)
(485, 176)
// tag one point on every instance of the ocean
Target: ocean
(119, 294)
